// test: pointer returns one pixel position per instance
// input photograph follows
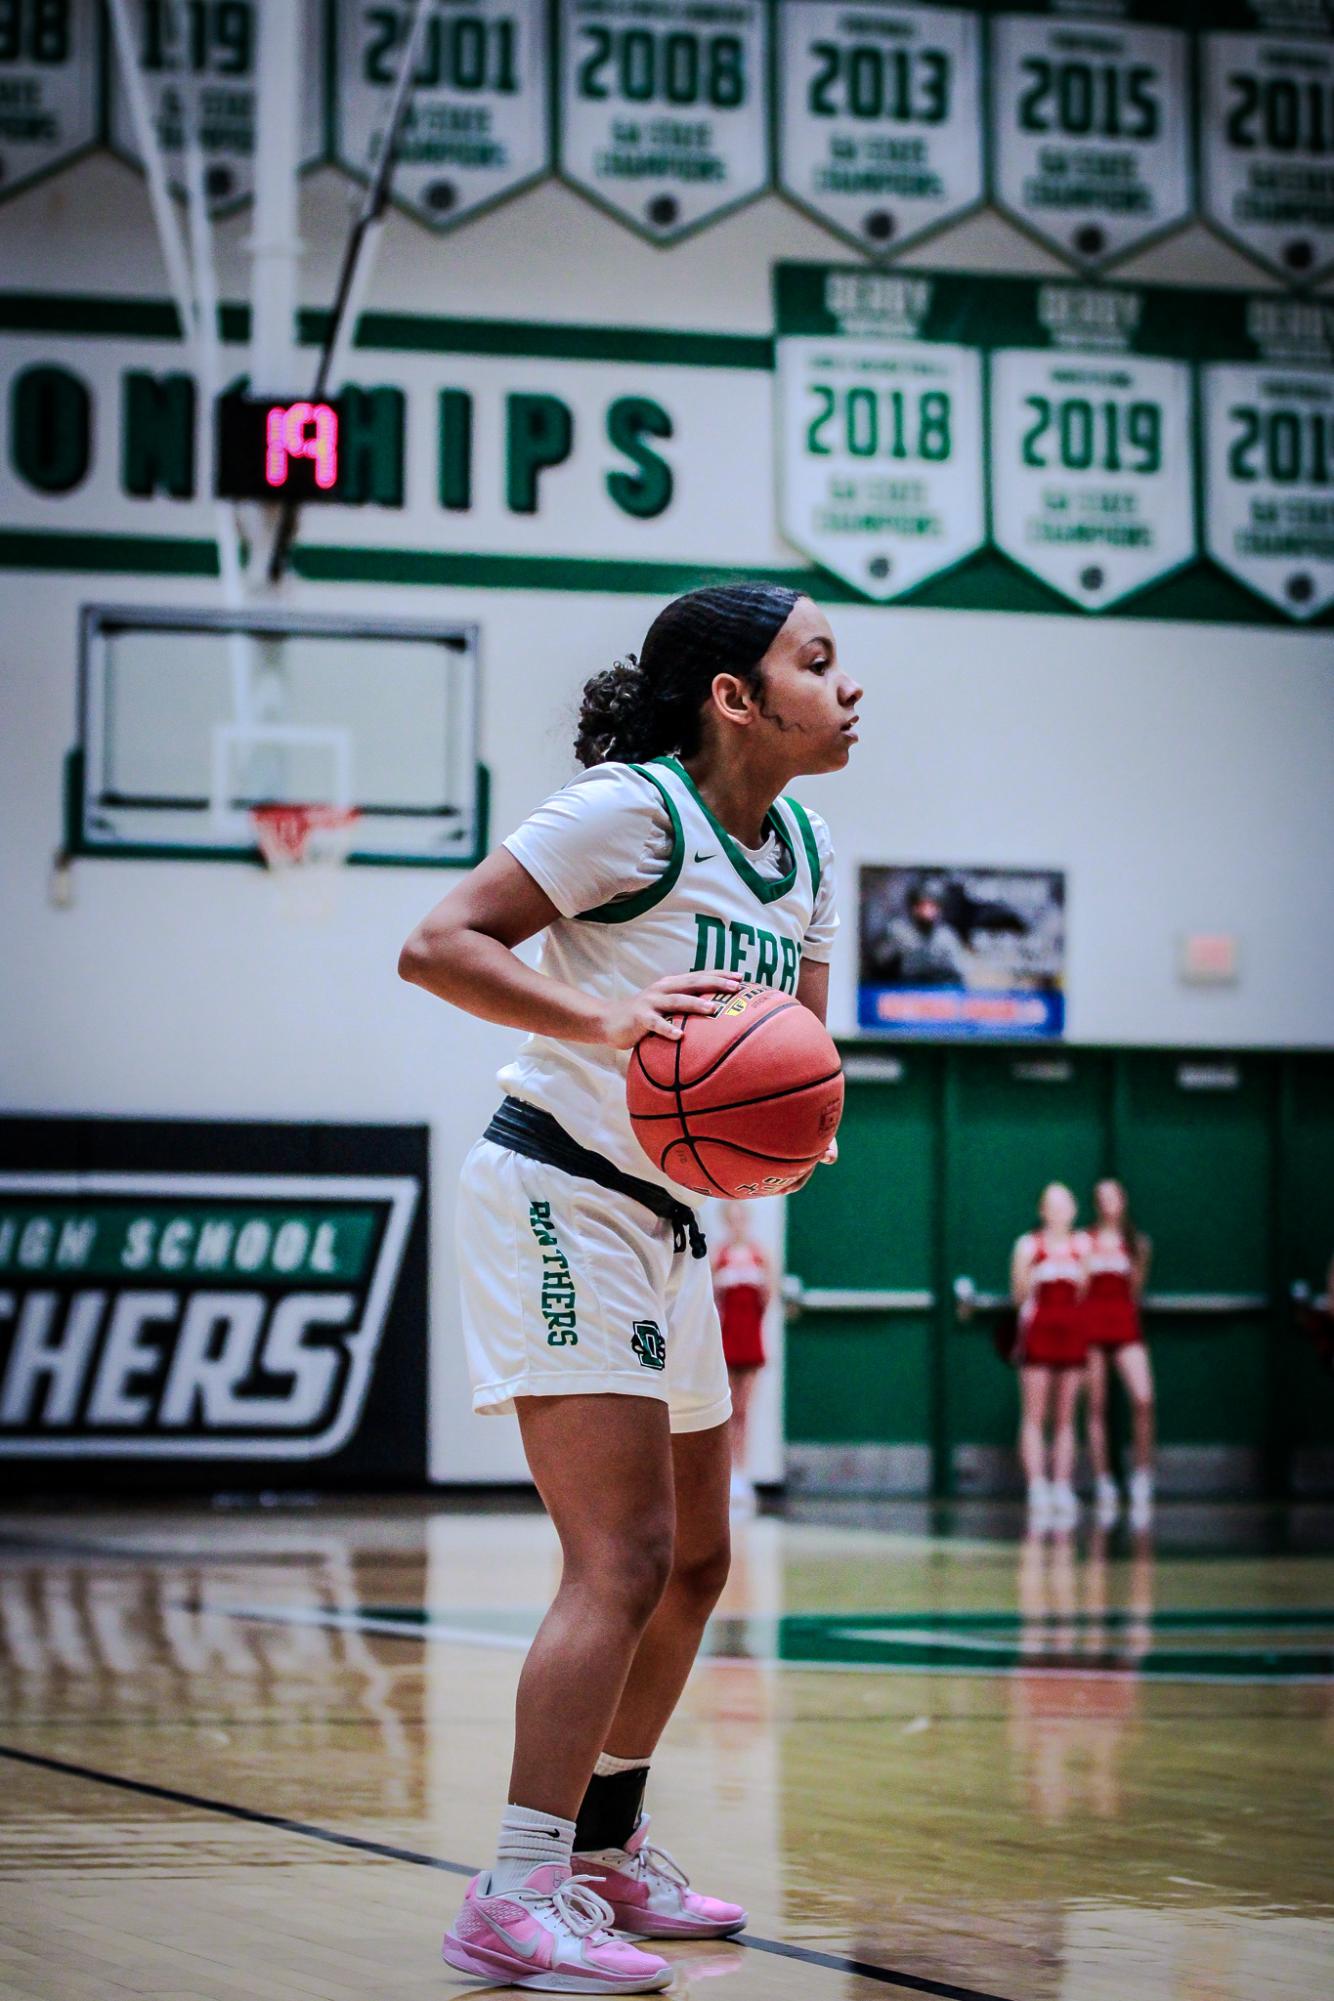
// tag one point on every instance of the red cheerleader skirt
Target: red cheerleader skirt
(742, 1314)
(1053, 1329)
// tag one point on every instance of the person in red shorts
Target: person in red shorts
(741, 1287)
(1047, 1280)
(1118, 1264)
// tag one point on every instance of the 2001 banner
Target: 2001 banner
(1089, 457)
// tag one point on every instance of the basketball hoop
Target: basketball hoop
(304, 847)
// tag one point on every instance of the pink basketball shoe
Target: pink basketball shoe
(650, 1894)
(551, 1933)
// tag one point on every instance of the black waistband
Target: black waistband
(537, 1136)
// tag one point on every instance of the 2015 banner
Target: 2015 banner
(1085, 470)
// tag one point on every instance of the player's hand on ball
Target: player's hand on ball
(650, 1012)
(830, 1154)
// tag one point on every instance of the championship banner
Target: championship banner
(1267, 130)
(50, 79)
(880, 429)
(1269, 461)
(975, 953)
(1090, 118)
(880, 120)
(1091, 456)
(196, 1300)
(477, 126)
(665, 108)
(198, 67)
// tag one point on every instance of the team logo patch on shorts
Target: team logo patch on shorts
(650, 1344)
(557, 1297)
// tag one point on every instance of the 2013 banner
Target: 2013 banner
(1085, 470)
(879, 118)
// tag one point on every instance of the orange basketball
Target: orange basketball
(745, 1103)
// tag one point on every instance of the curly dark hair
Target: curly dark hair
(649, 704)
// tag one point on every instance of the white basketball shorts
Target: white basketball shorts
(570, 1289)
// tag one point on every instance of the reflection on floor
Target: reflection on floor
(251, 1752)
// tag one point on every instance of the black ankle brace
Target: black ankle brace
(610, 1810)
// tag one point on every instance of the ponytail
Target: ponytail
(651, 704)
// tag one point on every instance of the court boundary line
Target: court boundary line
(807, 1955)
(330, 1620)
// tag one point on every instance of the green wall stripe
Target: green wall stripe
(327, 564)
(91, 317)
(136, 555)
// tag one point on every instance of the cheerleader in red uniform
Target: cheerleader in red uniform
(1118, 1264)
(741, 1287)
(1047, 1279)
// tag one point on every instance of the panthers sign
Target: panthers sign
(206, 1316)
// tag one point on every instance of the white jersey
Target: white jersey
(671, 892)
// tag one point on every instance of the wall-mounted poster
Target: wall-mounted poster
(49, 83)
(961, 952)
(478, 125)
(665, 108)
(198, 67)
(880, 429)
(1269, 449)
(879, 118)
(1267, 130)
(1090, 114)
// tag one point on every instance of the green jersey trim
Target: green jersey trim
(802, 818)
(623, 908)
(767, 890)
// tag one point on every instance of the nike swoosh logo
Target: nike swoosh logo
(704, 858)
(528, 1951)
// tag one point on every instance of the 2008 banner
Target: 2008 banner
(1085, 468)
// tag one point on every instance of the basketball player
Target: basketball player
(741, 1288)
(670, 870)
(1047, 1281)
(1118, 1265)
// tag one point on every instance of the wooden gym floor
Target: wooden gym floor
(248, 1754)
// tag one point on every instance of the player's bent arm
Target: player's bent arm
(813, 987)
(463, 952)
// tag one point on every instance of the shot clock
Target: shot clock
(271, 449)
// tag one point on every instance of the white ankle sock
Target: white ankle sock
(527, 1840)
(607, 1766)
